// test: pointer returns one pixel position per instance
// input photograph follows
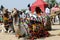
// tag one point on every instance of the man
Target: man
(47, 19)
(59, 16)
(55, 11)
(6, 18)
(1, 17)
(11, 28)
(47, 11)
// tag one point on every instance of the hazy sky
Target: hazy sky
(19, 4)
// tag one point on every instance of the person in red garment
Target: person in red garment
(38, 29)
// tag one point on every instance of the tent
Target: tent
(39, 3)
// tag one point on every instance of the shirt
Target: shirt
(47, 10)
(22, 15)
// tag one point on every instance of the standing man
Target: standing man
(47, 10)
(11, 28)
(59, 15)
(6, 18)
(47, 19)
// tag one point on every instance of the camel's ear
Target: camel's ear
(2, 7)
(28, 5)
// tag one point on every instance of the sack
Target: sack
(5, 18)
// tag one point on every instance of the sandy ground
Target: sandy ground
(10, 36)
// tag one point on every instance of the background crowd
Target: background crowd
(31, 24)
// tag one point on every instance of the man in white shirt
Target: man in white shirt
(47, 11)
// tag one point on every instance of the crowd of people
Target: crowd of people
(33, 25)
(25, 23)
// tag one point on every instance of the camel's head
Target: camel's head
(5, 10)
(14, 12)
